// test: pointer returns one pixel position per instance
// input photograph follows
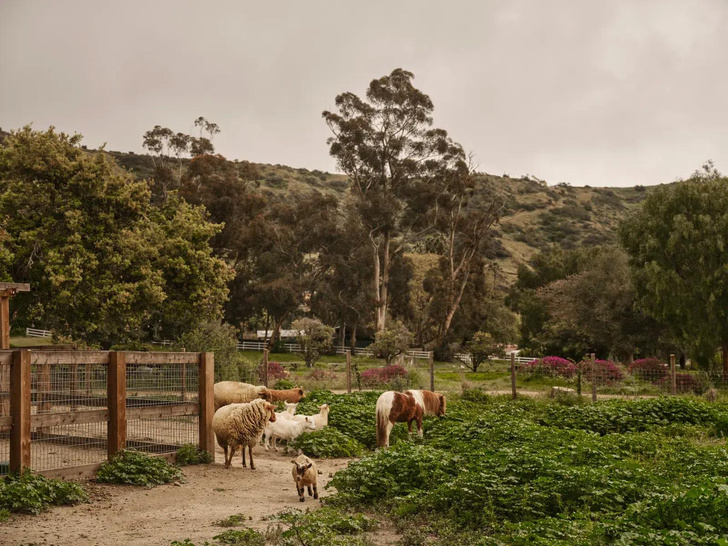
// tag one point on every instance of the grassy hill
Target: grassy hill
(537, 216)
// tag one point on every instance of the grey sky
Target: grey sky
(587, 92)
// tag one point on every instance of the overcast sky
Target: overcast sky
(605, 93)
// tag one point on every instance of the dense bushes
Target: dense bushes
(648, 369)
(190, 454)
(383, 375)
(527, 472)
(550, 366)
(31, 493)
(135, 468)
(327, 443)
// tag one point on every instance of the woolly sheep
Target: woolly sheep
(237, 425)
(289, 395)
(305, 474)
(234, 392)
(286, 429)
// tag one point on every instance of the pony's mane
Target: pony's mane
(431, 401)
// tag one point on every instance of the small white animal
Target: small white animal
(321, 419)
(286, 429)
(304, 474)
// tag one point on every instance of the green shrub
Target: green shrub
(31, 493)
(131, 467)
(242, 537)
(284, 384)
(326, 526)
(192, 454)
(328, 443)
(495, 471)
(236, 520)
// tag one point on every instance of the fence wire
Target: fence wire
(168, 388)
(78, 392)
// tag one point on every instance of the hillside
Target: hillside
(537, 216)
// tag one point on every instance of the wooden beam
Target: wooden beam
(15, 286)
(152, 412)
(70, 357)
(207, 401)
(158, 358)
(117, 402)
(76, 418)
(20, 410)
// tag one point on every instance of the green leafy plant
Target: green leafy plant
(235, 520)
(323, 527)
(240, 537)
(190, 454)
(328, 443)
(131, 467)
(31, 493)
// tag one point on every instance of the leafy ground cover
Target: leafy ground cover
(495, 471)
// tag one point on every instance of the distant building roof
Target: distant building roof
(261, 334)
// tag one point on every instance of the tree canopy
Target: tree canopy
(677, 248)
(106, 266)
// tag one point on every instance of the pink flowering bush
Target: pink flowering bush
(275, 371)
(550, 366)
(385, 374)
(604, 372)
(648, 369)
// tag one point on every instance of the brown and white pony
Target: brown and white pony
(406, 407)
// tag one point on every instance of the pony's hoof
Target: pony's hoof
(302, 499)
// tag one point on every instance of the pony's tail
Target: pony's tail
(384, 406)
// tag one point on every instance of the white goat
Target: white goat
(321, 419)
(286, 429)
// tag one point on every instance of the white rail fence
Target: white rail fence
(36, 332)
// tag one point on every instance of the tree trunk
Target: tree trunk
(342, 333)
(453, 307)
(725, 358)
(682, 362)
(382, 318)
(276, 332)
(353, 338)
(377, 283)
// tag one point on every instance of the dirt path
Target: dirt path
(134, 515)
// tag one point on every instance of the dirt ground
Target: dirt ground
(135, 515)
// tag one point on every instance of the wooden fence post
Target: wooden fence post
(207, 401)
(348, 372)
(20, 410)
(592, 359)
(116, 396)
(514, 394)
(432, 370)
(265, 368)
(673, 382)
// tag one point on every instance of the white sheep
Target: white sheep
(321, 419)
(286, 429)
(234, 392)
(237, 425)
(305, 474)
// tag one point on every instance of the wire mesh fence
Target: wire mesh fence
(161, 402)
(643, 377)
(69, 401)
